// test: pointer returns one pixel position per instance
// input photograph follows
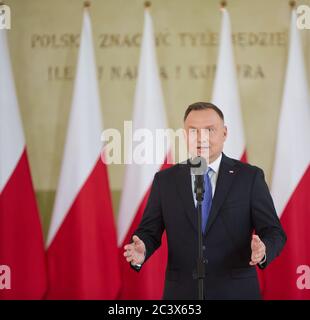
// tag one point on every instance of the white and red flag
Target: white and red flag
(149, 113)
(82, 243)
(226, 93)
(21, 239)
(288, 276)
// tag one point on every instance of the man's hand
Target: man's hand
(258, 250)
(135, 252)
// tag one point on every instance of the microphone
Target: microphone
(198, 167)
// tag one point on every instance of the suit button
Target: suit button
(205, 261)
(203, 247)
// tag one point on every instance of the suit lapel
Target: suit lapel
(225, 178)
(227, 172)
(184, 188)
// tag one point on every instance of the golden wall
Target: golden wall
(44, 44)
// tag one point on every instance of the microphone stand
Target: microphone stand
(201, 272)
(199, 190)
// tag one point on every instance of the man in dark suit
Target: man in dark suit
(237, 204)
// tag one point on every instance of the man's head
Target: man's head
(205, 130)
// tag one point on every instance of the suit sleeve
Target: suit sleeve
(266, 222)
(151, 226)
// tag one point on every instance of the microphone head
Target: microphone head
(198, 165)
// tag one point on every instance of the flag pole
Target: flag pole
(292, 4)
(86, 4)
(223, 4)
(147, 4)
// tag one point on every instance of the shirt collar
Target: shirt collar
(216, 163)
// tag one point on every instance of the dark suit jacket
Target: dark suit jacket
(241, 204)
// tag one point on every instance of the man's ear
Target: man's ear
(225, 132)
(184, 134)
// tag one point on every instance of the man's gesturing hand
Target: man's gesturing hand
(135, 252)
(258, 250)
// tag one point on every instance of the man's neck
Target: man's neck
(214, 158)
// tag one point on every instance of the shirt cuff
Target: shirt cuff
(263, 260)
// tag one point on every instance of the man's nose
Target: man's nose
(203, 136)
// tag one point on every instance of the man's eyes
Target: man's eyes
(202, 130)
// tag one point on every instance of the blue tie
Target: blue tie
(207, 200)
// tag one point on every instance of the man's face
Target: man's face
(205, 134)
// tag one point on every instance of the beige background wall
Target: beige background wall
(44, 44)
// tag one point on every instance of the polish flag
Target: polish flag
(226, 97)
(22, 257)
(82, 242)
(226, 94)
(149, 113)
(288, 277)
